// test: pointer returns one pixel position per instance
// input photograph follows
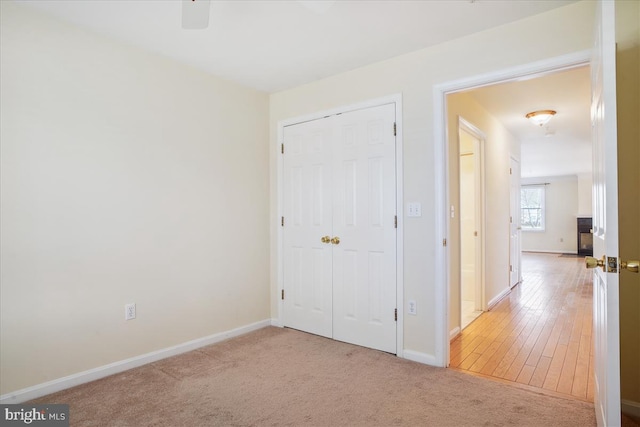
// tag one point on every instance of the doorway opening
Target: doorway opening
(523, 353)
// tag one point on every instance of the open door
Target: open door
(606, 324)
(515, 228)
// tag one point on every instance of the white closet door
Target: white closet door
(308, 214)
(364, 200)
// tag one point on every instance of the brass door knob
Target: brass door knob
(325, 239)
(629, 265)
(335, 240)
(592, 262)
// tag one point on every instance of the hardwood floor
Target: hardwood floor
(540, 334)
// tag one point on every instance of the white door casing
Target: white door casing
(606, 327)
(339, 182)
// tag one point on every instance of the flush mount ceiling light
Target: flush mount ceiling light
(540, 117)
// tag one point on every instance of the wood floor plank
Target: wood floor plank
(540, 372)
(540, 334)
(555, 368)
(581, 376)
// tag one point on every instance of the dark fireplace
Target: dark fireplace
(585, 237)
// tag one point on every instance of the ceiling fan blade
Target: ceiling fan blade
(195, 14)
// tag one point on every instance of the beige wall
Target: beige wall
(566, 30)
(628, 80)
(499, 147)
(585, 195)
(561, 213)
(125, 178)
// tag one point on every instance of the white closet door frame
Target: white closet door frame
(392, 99)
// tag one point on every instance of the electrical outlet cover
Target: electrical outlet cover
(129, 311)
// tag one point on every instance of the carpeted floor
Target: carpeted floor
(282, 377)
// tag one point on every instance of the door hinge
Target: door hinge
(395, 314)
(282, 294)
(510, 220)
(511, 268)
(444, 242)
(282, 148)
(510, 171)
(282, 221)
(394, 129)
(395, 221)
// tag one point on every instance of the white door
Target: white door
(339, 227)
(515, 252)
(471, 218)
(606, 326)
(308, 214)
(364, 262)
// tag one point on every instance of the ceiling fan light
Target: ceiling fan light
(540, 117)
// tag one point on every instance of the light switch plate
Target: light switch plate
(414, 209)
(412, 309)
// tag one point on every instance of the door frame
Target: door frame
(395, 99)
(441, 199)
(470, 128)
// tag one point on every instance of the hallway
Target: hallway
(540, 334)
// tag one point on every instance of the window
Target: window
(532, 207)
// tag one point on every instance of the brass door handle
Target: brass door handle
(592, 262)
(630, 265)
(335, 240)
(325, 239)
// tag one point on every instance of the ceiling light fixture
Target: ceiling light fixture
(540, 117)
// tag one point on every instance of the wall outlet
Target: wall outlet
(412, 309)
(129, 311)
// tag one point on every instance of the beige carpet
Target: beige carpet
(282, 377)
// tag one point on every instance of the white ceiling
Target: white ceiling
(563, 147)
(275, 45)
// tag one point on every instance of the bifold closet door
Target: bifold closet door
(339, 198)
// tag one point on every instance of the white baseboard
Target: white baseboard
(73, 380)
(454, 332)
(498, 298)
(550, 251)
(416, 356)
(630, 407)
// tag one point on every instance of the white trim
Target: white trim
(391, 99)
(495, 300)
(276, 322)
(550, 251)
(441, 196)
(416, 356)
(83, 377)
(630, 407)
(454, 333)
